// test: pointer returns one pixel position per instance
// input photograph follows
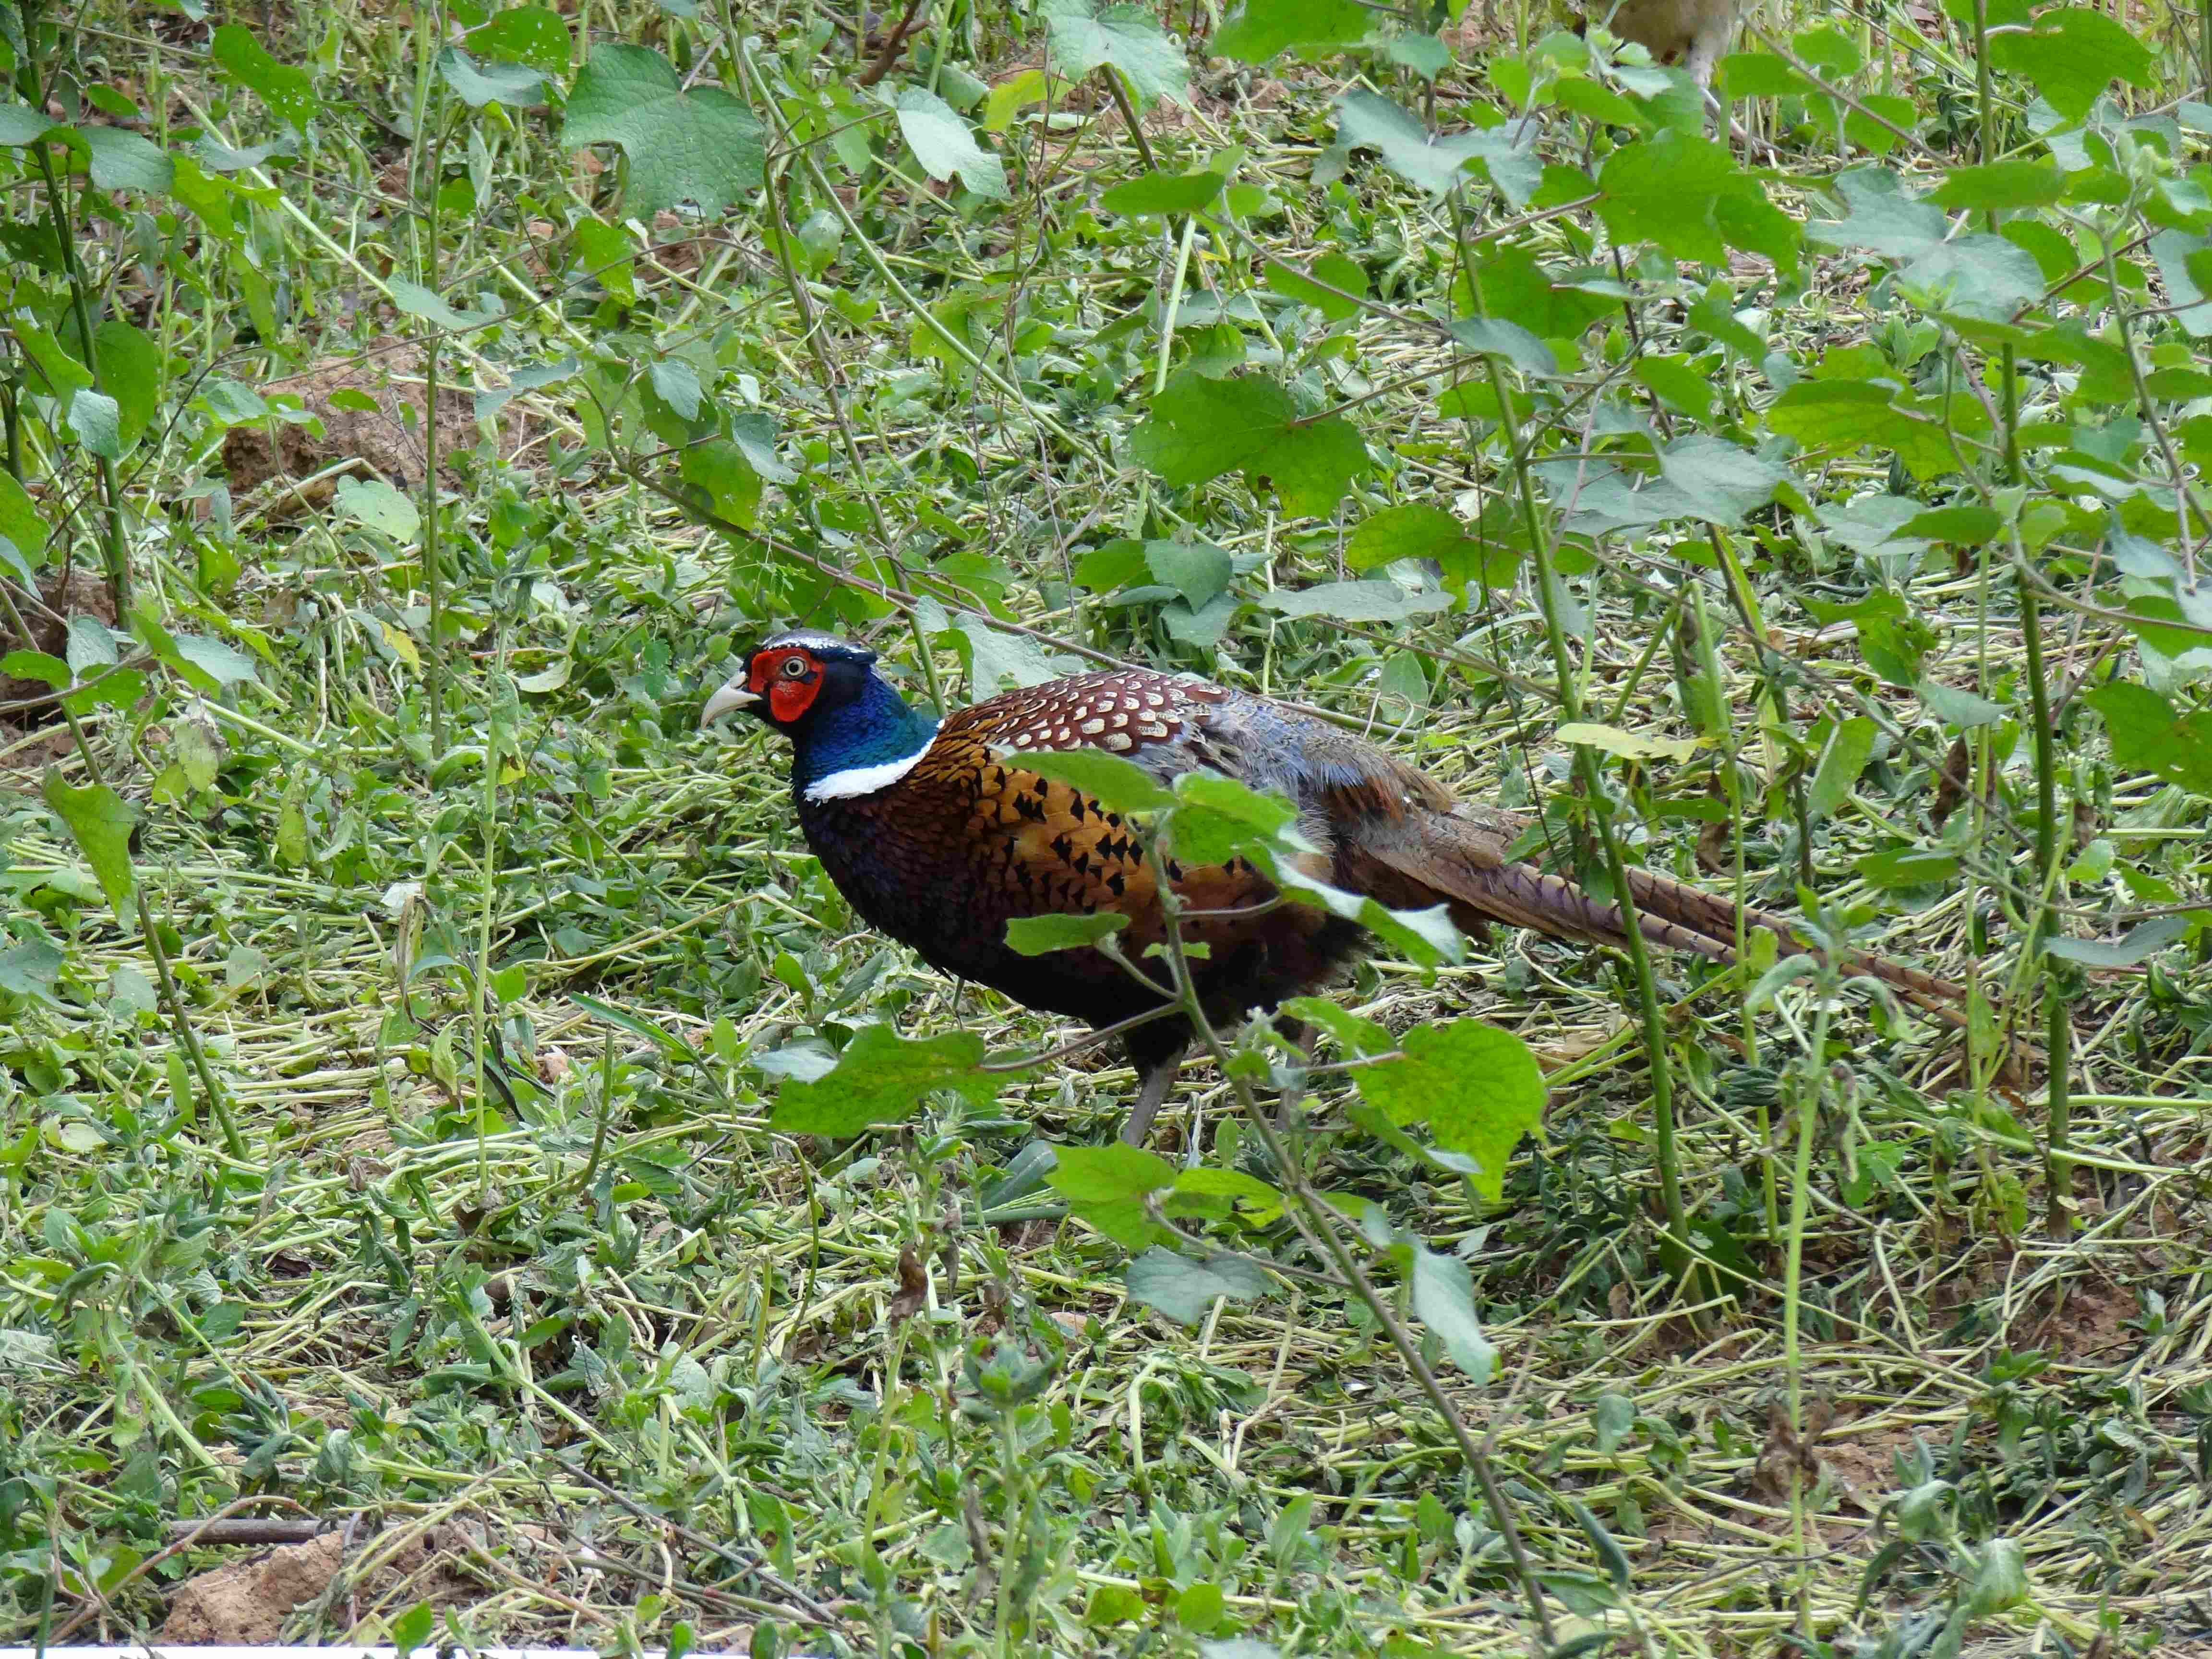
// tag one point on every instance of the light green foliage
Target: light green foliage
(518, 1134)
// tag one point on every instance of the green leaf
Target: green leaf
(284, 88)
(1496, 337)
(32, 968)
(943, 144)
(1846, 415)
(2072, 53)
(118, 159)
(98, 422)
(1118, 785)
(222, 663)
(1954, 707)
(130, 370)
(412, 1628)
(1084, 35)
(517, 85)
(1354, 602)
(1038, 936)
(1171, 194)
(2145, 940)
(2000, 187)
(1413, 530)
(2148, 735)
(1257, 30)
(36, 665)
(419, 301)
(1107, 1186)
(22, 124)
(2001, 1578)
(101, 822)
(1685, 194)
(1443, 1300)
(21, 523)
(701, 146)
(1367, 120)
(883, 1077)
(524, 34)
(1629, 746)
(1844, 758)
(1360, 1035)
(1197, 570)
(1478, 1087)
(1200, 429)
(375, 503)
(1185, 1289)
(1323, 285)
(1611, 1416)
(726, 475)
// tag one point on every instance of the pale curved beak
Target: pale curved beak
(731, 697)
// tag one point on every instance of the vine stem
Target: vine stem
(1319, 1225)
(1550, 600)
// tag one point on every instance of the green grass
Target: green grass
(495, 967)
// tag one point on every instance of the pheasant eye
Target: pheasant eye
(794, 667)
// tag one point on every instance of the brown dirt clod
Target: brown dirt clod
(245, 1603)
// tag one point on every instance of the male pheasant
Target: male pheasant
(939, 836)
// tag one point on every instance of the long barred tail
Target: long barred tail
(1458, 858)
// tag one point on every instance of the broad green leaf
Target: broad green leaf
(1496, 336)
(1426, 937)
(1844, 414)
(676, 382)
(1629, 746)
(222, 663)
(1443, 1300)
(284, 88)
(2174, 250)
(534, 35)
(475, 84)
(1909, 867)
(1015, 93)
(375, 503)
(883, 1077)
(1217, 819)
(98, 423)
(1367, 120)
(1185, 1289)
(1200, 429)
(943, 144)
(419, 301)
(2142, 942)
(1413, 530)
(1892, 638)
(1354, 602)
(728, 478)
(702, 146)
(996, 658)
(2000, 187)
(1096, 1174)
(131, 371)
(1962, 524)
(1981, 276)
(1843, 758)
(1957, 708)
(1478, 1087)
(1038, 936)
(413, 1627)
(101, 822)
(1324, 285)
(2150, 735)
(1257, 30)
(1206, 1188)
(1197, 570)
(1084, 35)
(1107, 1186)
(32, 968)
(2072, 53)
(22, 124)
(1118, 785)
(1360, 1035)
(21, 523)
(2001, 1575)
(118, 159)
(36, 665)
(1164, 193)
(1685, 194)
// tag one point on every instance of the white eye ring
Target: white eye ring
(794, 667)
